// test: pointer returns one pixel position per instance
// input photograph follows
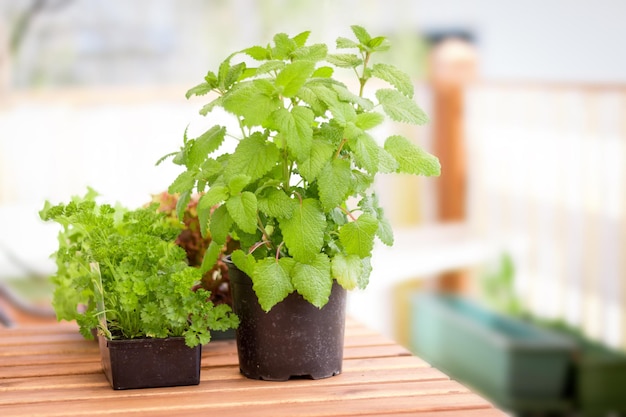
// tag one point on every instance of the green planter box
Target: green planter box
(518, 366)
(601, 381)
(599, 378)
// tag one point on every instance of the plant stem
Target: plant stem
(363, 80)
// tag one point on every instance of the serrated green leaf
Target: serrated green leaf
(293, 76)
(323, 72)
(258, 53)
(181, 204)
(184, 182)
(386, 163)
(399, 79)
(296, 128)
(243, 210)
(384, 231)
(321, 153)
(209, 169)
(254, 157)
(347, 270)
(346, 95)
(411, 158)
(343, 113)
(345, 43)
(313, 53)
(369, 120)
(284, 46)
(309, 97)
(400, 108)
(233, 74)
(361, 34)
(251, 100)
(366, 270)
(199, 90)
(211, 256)
(312, 280)
(207, 201)
(270, 66)
(301, 38)
(358, 237)
(335, 183)
(304, 230)
(207, 108)
(366, 152)
(238, 183)
(276, 203)
(205, 144)
(272, 282)
(220, 224)
(344, 60)
(245, 263)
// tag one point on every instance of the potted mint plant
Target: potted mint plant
(303, 155)
(120, 271)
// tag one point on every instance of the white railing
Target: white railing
(547, 175)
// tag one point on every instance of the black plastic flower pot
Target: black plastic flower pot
(149, 363)
(294, 339)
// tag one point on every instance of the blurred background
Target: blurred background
(527, 102)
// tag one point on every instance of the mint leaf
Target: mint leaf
(258, 53)
(284, 46)
(301, 38)
(365, 272)
(369, 120)
(211, 256)
(200, 90)
(323, 72)
(344, 60)
(343, 113)
(361, 34)
(346, 95)
(358, 237)
(366, 152)
(347, 270)
(214, 196)
(313, 53)
(400, 108)
(184, 182)
(296, 128)
(242, 208)
(220, 223)
(345, 43)
(304, 230)
(321, 152)
(399, 79)
(293, 76)
(276, 203)
(252, 100)
(246, 263)
(272, 282)
(411, 158)
(270, 66)
(181, 204)
(335, 183)
(206, 144)
(254, 157)
(384, 231)
(238, 183)
(312, 280)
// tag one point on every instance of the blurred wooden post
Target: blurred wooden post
(452, 65)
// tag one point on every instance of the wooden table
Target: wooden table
(51, 371)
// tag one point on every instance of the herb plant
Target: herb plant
(303, 150)
(129, 258)
(214, 277)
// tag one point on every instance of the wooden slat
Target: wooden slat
(64, 378)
